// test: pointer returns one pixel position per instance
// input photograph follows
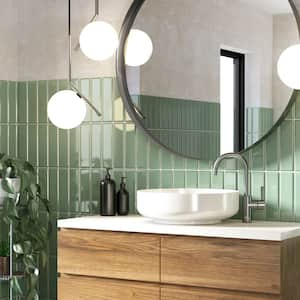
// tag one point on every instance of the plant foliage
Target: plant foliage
(4, 249)
(29, 212)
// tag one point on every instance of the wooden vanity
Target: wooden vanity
(112, 265)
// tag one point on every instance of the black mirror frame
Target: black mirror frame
(124, 91)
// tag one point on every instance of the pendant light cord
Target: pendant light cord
(296, 14)
(71, 85)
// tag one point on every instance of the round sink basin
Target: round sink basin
(188, 206)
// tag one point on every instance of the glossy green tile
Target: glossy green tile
(230, 180)
(286, 197)
(257, 157)
(141, 180)
(107, 145)
(130, 149)
(272, 152)
(258, 193)
(12, 100)
(53, 146)
(53, 188)
(63, 136)
(286, 146)
(272, 196)
(74, 190)
(32, 144)
(154, 156)
(167, 179)
(22, 141)
(118, 147)
(96, 97)
(204, 179)
(179, 179)
(297, 197)
(96, 146)
(64, 204)
(45, 91)
(85, 146)
(22, 103)
(12, 140)
(107, 94)
(32, 101)
(142, 150)
(191, 179)
(85, 205)
(42, 144)
(75, 146)
(154, 179)
(217, 180)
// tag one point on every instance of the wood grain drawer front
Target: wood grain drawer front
(109, 254)
(87, 288)
(185, 293)
(230, 264)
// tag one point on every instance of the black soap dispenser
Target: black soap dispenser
(123, 199)
(107, 195)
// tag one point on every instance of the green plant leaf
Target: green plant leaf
(16, 285)
(7, 185)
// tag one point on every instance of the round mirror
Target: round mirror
(208, 83)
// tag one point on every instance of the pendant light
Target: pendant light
(288, 67)
(138, 48)
(98, 40)
(67, 108)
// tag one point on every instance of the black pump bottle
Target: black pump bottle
(123, 199)
(107, 195)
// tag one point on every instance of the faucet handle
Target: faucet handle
(259, 204)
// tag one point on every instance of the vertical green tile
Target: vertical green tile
(230, 180)
(297, 197)
(32, 101)
(53, 183)
(63, 147)
(258, 157)
(63, 190)
(53, 145)
(118, 146)
(297, 145)
(131, 188)
(167, 179)
(217, 180)
(191, 179)
(74, 147)
(142, 150)
(204, 179)
(257, 183)
(272, 152)
(286, 197)
(85, 145)
(74, 190)
(44, 92)
(32, 144)
(22, 141)
(12, 140)
(286, 146)
(85, 204)
(272, 196)
(96, 97)
(107, 98)
(22, 103)
(154, 179)
(154, 159)
(42, 129)
(12, 101)
(130, 148)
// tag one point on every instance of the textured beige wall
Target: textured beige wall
(285, 35)
(9, 40)
(187, 40)
(43, 42)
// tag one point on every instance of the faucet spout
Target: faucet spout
(248, 204)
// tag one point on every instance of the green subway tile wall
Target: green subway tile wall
(196, 128)
(259, 120)
(71, 163)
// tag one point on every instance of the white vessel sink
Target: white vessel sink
(188, 206)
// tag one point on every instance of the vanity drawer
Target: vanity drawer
(184, 293)
(109, 254)
(87, 288)
(229, 264)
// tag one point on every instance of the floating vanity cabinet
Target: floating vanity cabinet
(114, 265)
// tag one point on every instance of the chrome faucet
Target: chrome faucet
(247, 203)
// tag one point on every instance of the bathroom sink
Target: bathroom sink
(187, 206)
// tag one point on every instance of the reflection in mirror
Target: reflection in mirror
(211, 84)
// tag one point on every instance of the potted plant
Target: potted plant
(28, 211)
(4, 258)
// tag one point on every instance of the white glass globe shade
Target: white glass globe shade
(66, 109)
(98, 40)
(288, 67)
(138, 48)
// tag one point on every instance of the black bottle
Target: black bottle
(107, 196)
(123, 199)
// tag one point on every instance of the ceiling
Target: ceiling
(273, 7)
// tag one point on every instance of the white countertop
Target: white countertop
(269, 231)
